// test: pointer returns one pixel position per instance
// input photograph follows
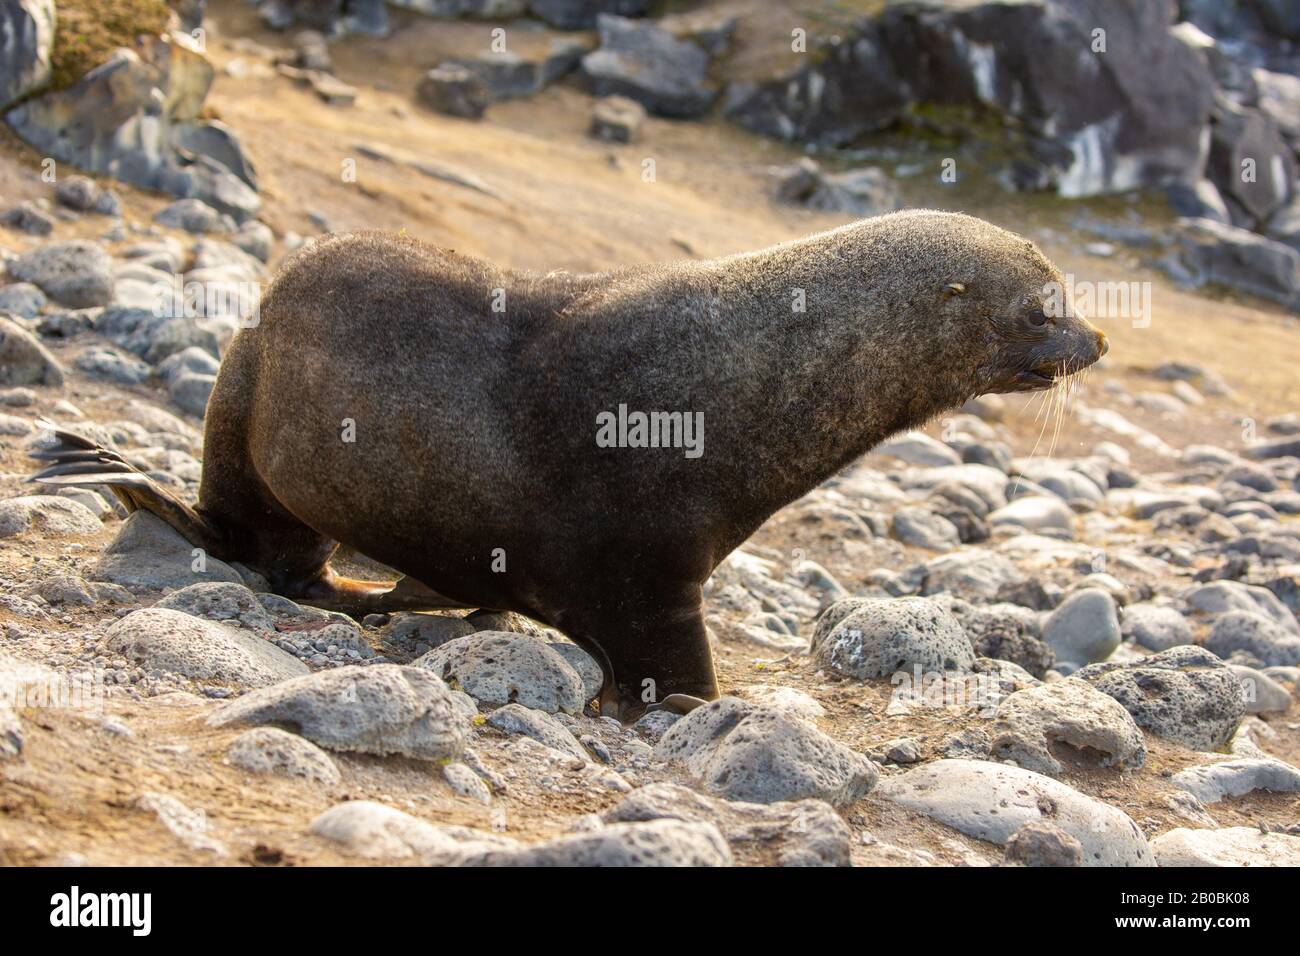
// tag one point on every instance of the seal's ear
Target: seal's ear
(954, 288)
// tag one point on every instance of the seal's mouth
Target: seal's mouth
(1050, 371)
(1036, 379)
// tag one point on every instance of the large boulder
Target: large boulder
(1096, 120)
(1215, 253)
(122, 118)
(26, 38)
(645, 62)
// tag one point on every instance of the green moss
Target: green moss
(88, 31)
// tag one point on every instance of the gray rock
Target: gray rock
(47, 515)
(26, 40)
(1039, 843)
(500, 667)
(1036, 513)
(803, 833)
(380, 709)
(757, 754)
(582, 14)
(1262, 694)
(191, 391)
(65, 589)
(1065, 723)
(24, 360)
(222, 601)
(1235, 778)
(653, 843)
(516, 719)
(149, 553)
(1185, 694)
(418, 633)
(617, 119)
(84, 195)
(174, 642)
(192, 215)
(1156, 627)
(918, 448)
(273, 751)
(645, 62)
(1220, 596)
(974, 573)
(922, 528)
(992, 802)
(455, 90)
(593, 678)
(370, 830)
(22, 299)
(1084, 628)
(1239, 259)
(29, 218)
(77, 273)
(1255, 634)
(465, 782)
(1232, 846)
(104, 362)
(880, 637)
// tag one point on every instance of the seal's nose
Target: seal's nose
(1102, 345)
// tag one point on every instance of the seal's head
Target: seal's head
(980, 308)
(1017, 315)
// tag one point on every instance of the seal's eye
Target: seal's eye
(1037, 317)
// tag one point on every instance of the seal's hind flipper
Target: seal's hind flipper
(78, 461)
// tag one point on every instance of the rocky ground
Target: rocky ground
(1059, 630)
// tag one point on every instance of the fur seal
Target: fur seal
(477, 399)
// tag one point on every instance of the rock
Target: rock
(1036, 513)
(918, 448)
(11, 732)
(374, 831)
(1220, 596)
(804, 833)
(149, 553)
(1233, 846)
(1099, 123)
(454, 90)
(748, 752)
(1263, 695)
(81, 193)
(192, 215)
(127, 118)
(191, 391)
(174, 642)
(516, 719)
(646, 63)
(417, 633)
(583, 14)
(975, 573)
(922, 528)
(47, 515)
(1255, 634)
(189, 826)
(65, 589)
(22, 299)
(862, 192)
(379, 709)
(1067, 721)
(221, 601)
(273, 751)
(593, 678)
(26, 39)
(113, 365)
(500, 667)
(880, 637)
(24, 360)
(77, 273)
(1156, 627)
(992, 802)
(29, 218)
(465, 782)
(1234, 778)
(654, 843)
(1185, 694)
(1242, 137)
(1241, 260)
(1084, 628)
(617, 119)
(1039, 843)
